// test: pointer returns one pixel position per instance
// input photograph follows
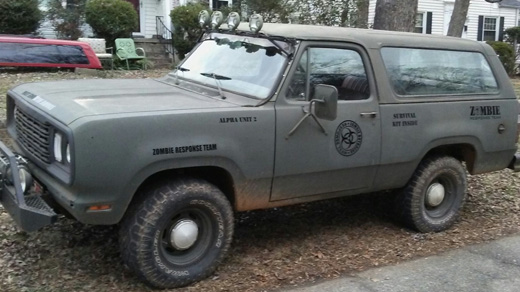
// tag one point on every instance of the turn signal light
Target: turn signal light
(99, 208)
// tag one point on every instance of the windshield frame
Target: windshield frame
(263, 43)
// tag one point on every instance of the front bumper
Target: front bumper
(515, 163)
(30, 212)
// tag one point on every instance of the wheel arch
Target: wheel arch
(217, 175)
(464, 149)
(463, 152)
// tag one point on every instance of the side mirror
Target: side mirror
(324, 105)
(326, 102)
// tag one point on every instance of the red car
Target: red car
(36, 52)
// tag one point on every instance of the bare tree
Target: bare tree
(362, 10)
(271, 10)
(328, 12)
(458, 18)
(398, 15)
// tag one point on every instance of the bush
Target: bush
(512, 34)
(67, 21)
(186, 27)
(506, 54)
(111, 19)
(19, 16)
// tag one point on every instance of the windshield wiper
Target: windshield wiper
(182, 69)
(217, 78)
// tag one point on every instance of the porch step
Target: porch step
(161, 63)
(155, 52)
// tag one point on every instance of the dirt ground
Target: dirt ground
(272, 249)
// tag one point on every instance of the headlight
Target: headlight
(61, 144)
(57, 147)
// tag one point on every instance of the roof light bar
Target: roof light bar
(216, 19)
(233, 20)
(204, 19)
(255, 23)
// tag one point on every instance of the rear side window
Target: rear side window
(41, 53)
(438, 72)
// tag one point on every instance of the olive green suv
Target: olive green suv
(258, 118)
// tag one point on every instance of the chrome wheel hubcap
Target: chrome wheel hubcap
(435, 195)
(184, 234)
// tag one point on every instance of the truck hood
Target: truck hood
(72, 99)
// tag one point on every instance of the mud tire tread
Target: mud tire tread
(139, 224)
(410, 200)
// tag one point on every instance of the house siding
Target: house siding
(441, 11)
(46, 30)
(437, 10)
(151, 9)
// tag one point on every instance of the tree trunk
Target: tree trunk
(458, 18)
(398, 15)
(362, 8)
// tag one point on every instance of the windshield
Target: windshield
(244, 65)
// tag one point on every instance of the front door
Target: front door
(345, 158)
(137, 7)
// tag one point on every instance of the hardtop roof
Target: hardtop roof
(367, 37)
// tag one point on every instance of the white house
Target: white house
(485, 21)
(150, 10)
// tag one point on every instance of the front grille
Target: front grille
(33, 135)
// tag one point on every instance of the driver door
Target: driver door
(345, 158)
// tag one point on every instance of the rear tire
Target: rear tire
(434, 196)
(178, 234)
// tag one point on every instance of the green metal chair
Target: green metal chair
(126, 50)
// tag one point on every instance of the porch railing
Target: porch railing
(165, 35)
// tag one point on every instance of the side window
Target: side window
(423, 72)
(36, 53)
(298, 86)
(342, 68)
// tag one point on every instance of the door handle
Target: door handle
(368, 115)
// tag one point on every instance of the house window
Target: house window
(419, 23)
(490, 31)
(423, 22)
(490, 28)
(217, 4)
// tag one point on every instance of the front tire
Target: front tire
(178, 234)
(434, 196)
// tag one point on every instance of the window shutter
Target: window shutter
(501, 30)
(429, 17)
(480, 27)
